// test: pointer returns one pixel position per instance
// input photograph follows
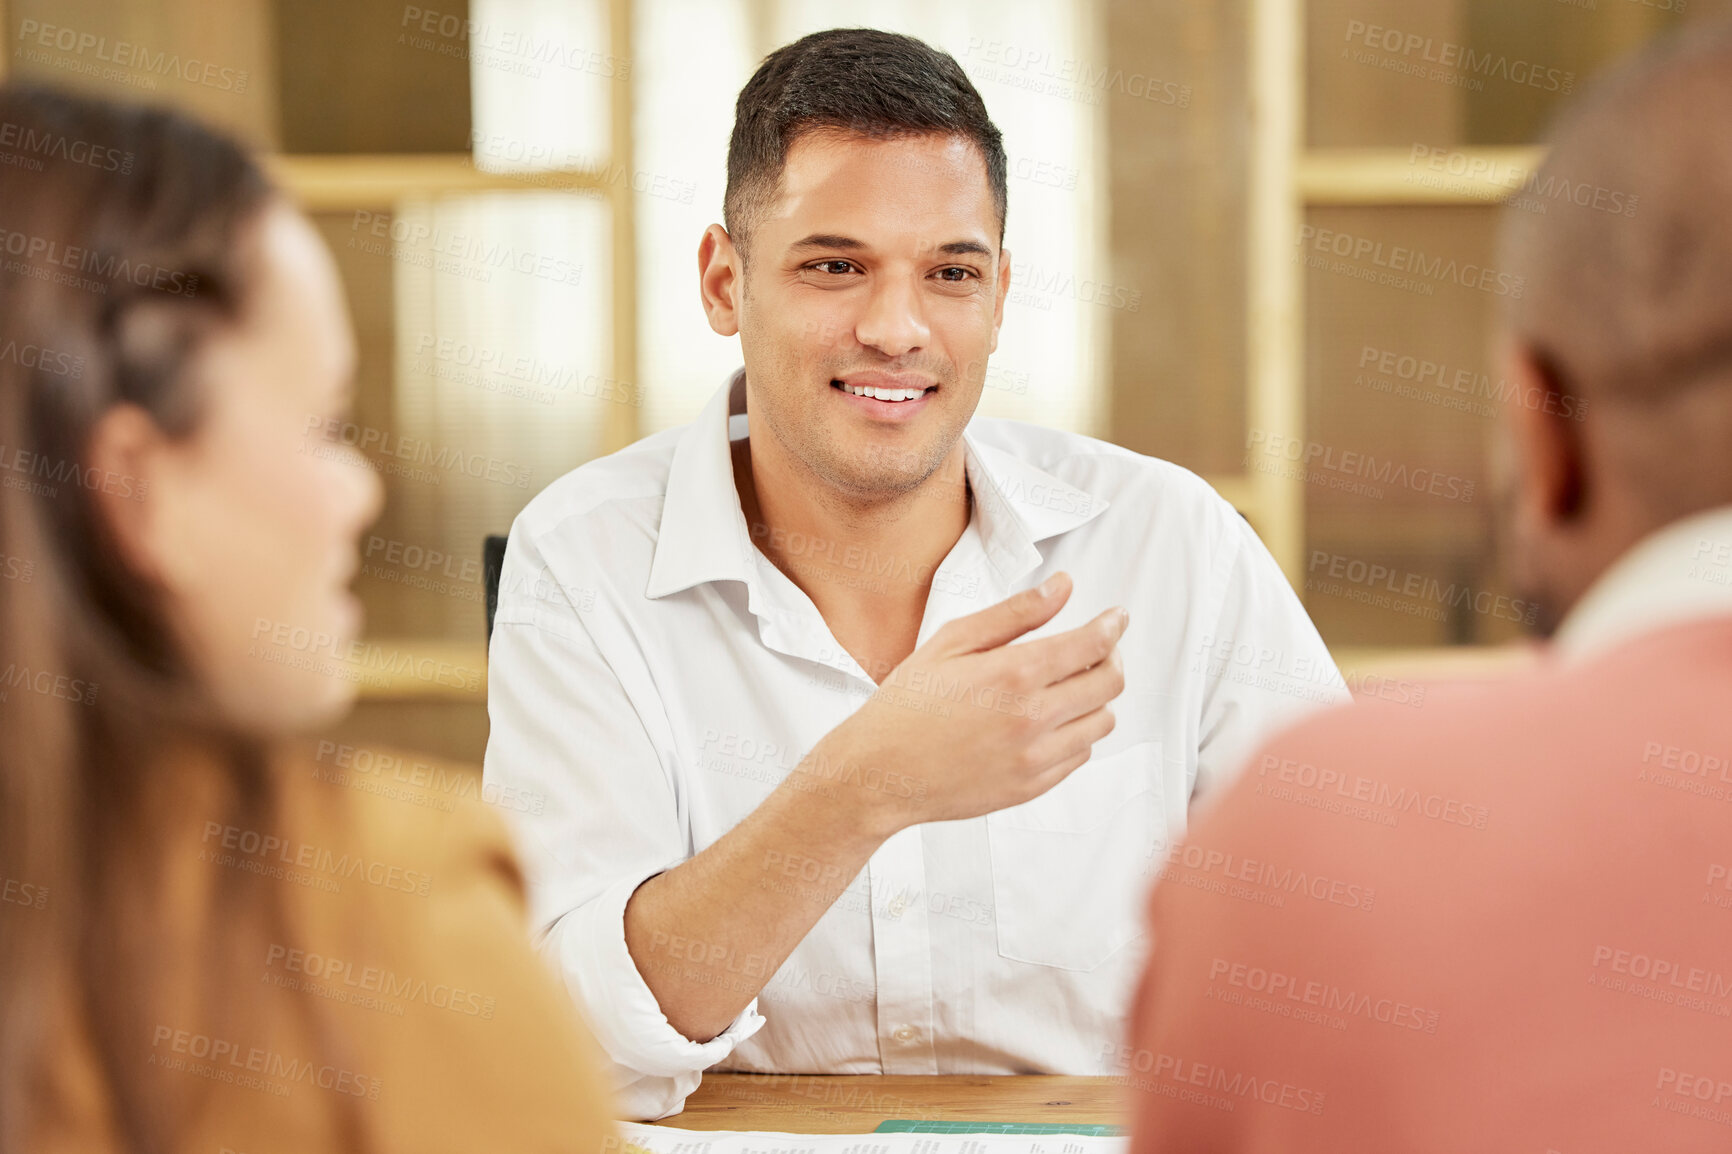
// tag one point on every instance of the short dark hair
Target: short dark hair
(862, 80)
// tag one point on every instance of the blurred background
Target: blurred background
(1254, 237)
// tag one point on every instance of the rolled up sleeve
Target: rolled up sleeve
(654, 1066)
(573, 764)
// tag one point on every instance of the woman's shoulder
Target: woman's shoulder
(412, 930)
(389, 819)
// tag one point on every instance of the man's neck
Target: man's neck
(866, 563)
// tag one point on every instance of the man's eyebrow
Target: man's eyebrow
(849, 244)
(829, 240)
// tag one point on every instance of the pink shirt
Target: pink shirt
(1500, 921)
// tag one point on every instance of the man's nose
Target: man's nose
(894, 322)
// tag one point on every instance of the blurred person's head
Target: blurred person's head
(172, 339)
(864, 216)
(1620, 346)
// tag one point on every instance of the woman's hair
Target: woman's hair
(126, 238)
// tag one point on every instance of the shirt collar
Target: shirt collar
(1680, 573)
(703, 535)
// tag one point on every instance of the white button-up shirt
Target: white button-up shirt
(653, 676)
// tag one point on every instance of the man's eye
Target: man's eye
(835, 267)
(961, 274)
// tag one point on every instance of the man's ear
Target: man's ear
(1551, 451)
(721, 280)
(1003, 292)
(127, 453)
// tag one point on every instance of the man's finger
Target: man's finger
(1082, 692)
(1006, 621)
(1052, 659)
(1069, 746)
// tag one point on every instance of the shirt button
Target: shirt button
(904, 1034)
(897, 905)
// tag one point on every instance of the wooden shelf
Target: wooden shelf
(335, 183)
(1396, 176)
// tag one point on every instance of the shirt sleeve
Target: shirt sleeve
(1264, 664)
(570, 760)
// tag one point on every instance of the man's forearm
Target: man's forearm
(708, 934)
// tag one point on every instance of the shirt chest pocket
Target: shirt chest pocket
(1070, 868)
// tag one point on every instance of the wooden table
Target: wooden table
(856, 1103)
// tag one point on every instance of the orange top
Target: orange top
(1499, 921)
(442, 1029)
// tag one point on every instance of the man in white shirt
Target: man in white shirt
(802, 806)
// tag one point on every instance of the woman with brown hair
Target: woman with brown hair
(204, 942)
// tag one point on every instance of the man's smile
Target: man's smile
(885, 396)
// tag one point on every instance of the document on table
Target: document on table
(668, 1140)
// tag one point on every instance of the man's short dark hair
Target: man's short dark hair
(861, 80)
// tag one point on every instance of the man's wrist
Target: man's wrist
(846, 796)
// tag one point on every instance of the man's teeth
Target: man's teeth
(882, 394)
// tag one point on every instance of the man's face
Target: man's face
(872, 299)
